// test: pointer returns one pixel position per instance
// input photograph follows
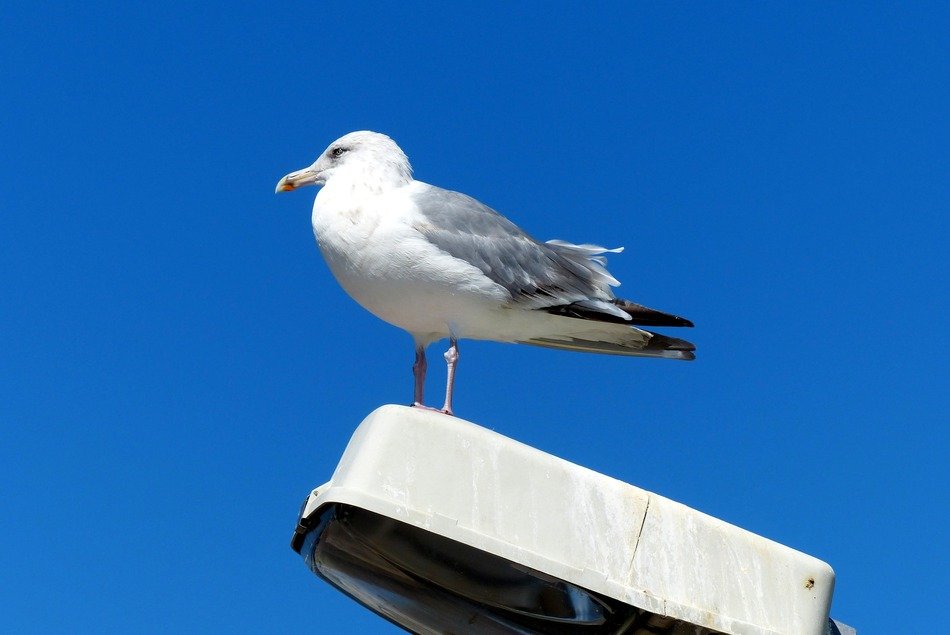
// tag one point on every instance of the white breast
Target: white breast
(376, 255)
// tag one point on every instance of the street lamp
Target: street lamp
(442, 526)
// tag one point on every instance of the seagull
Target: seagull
(441, 265)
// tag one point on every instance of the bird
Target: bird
(439, 264)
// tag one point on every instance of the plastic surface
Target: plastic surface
(474, 486)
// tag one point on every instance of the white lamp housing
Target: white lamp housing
(440, 526)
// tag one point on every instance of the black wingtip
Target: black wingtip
(667, 343)
(639, 314)
(645, 316)
(672, 347)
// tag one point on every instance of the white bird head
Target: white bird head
(363, 157)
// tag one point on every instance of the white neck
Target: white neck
(377, 178)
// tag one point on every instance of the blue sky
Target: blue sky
(178, 368)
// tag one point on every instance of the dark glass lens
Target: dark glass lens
(430, 584)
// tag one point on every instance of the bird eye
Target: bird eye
(338, 152)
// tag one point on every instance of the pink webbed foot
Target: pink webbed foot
(422, 406)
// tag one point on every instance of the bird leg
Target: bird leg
(451, 360)
(419, 374)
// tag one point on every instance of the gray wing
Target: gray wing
(536, 275)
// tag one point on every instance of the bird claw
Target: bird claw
(422, 406)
